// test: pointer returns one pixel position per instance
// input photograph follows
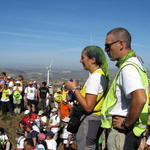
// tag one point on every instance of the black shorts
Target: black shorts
(32, 102)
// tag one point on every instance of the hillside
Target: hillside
(10, 124)
(41, 75)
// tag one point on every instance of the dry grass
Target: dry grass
(10, 124)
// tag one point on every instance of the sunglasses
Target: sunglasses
(108, 45)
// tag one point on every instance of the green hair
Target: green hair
(98, 53)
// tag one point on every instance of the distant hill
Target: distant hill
(55, 77)
(41, 75)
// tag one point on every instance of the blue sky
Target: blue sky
(35, 33)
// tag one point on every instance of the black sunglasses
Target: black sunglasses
(108, 45)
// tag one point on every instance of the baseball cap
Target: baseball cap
(18, 82)
(30, 82)
(49, 133)
(54, 110)
(64, 100)
(58, 90)
(40, 112)
(26, 112)
(33, 116)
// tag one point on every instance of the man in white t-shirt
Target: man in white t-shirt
(21, 138)
(54, 122)
(51, 143)
(67, 136)
(4, 141)
(31, 96)
(128, 90)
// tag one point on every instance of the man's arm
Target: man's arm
(138, 100)
(53, 126)
(38, 95)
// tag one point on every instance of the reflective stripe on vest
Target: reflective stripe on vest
(17, 95)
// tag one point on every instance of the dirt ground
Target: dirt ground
(10, 124)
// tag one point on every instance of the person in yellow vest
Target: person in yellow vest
(91, 97)
(64, 94)
(17, 97)
(58, 97)
(6, 92)
(125, 109)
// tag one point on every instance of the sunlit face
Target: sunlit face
(85, 60)
(112, 47)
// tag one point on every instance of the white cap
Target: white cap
(54, 110)
(40, 112)
(18, 82)
(26, 112)
(44, 119)
(64, 100)
(66, 119)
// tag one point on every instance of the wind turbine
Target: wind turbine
(49, 70)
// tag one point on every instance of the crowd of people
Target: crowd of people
(45, 113)
(107, 117)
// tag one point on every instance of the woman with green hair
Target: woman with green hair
(91, 96)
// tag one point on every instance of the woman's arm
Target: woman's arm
(88, 102)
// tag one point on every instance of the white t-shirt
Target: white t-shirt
(30, 91)
(95, 83)
(5, 98)
(37, 121)
(3, 138)
(20, 142)
(128, 81)
(54, 120)
(51, 144)
(36, 128)
(11, 84)
(65, 135)
(40, 147)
